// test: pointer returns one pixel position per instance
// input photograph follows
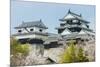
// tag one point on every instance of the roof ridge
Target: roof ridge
(75, 14)
(37, 23)
(69, 11)
(32, 21)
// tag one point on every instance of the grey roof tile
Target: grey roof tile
(79, 17)
(32, 24)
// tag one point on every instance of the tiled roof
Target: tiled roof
(73, 36)
(52, 38)
(32, 24)
(79, 17)
(74, 14)
(30, 33)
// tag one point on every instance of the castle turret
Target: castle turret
(33, 33)
(73, 26)
(33, 29)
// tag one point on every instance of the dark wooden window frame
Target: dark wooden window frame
(19, 31)
(31, 29)
(40, 30)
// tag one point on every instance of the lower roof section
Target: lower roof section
(30, 33)
(37, 35)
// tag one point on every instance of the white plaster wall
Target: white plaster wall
(24, 36)
(23, 30)
(30, 28)
(83, 25)
(31, 36)
(75, 21)
(36, 29)
(41, 37)
(63, 22)
(69, 16)
(82, 32)
(65, 32)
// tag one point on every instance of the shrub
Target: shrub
(80, 56)
(16, 48)
(18, 52)
(69, 54)
(73, 54)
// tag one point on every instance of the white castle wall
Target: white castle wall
(22, 29)
(31, 36)
(35, 29)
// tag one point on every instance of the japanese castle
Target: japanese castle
(72, 26)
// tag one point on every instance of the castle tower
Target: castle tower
(33, 33)
(33, 29)
(74, 26)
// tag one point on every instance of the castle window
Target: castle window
(62, 24)
(69, 21)
(87, 26)
(31, 29)
(75, 21)
(19, 30)
(40, 30)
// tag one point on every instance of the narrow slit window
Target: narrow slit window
(40, 30)
(31, 29)
(19, 31)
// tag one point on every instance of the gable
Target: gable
(65, 32)
(69, 16)
(83, 25)
(82, 32)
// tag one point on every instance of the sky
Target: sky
(49, 13)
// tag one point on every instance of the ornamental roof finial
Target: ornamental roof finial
(80, 15)
(40, 20)
(69, 11)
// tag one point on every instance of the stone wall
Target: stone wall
(39, 55)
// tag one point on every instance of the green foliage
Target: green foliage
(16, 48)
(69, 54)
(23, 49)
(73, 54)
(80, 56)
(13, 44)
(18, 52)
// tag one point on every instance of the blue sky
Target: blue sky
(50, 13)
